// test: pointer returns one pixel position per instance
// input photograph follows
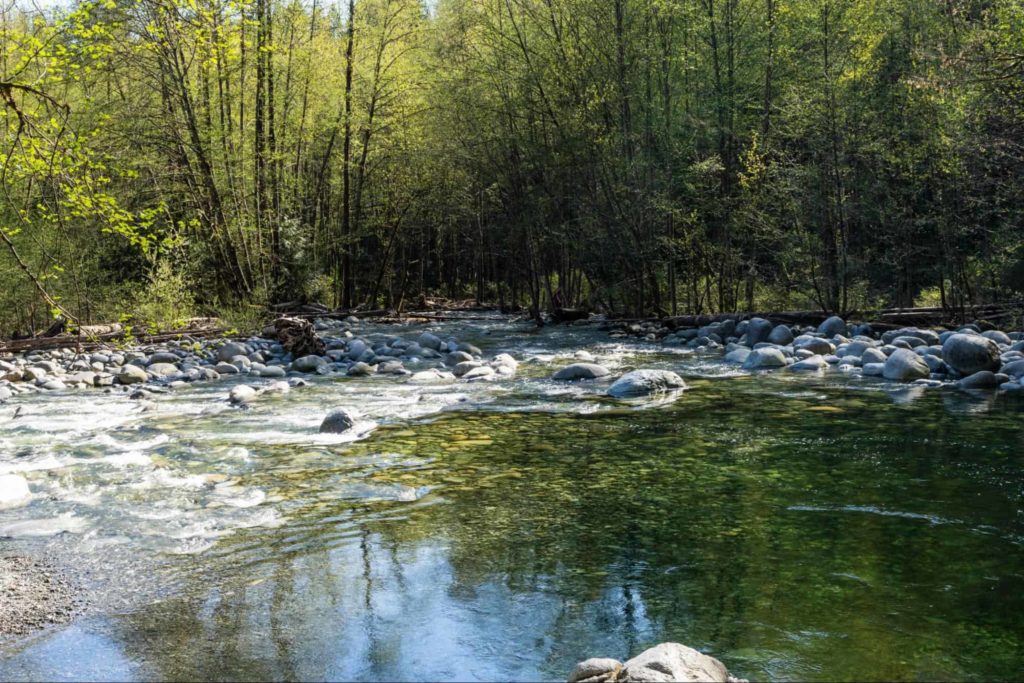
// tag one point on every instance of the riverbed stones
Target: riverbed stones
(578, 371)
(361, 369)
(308, 363)
(970, 353)
(230, 350)
(431, 376)
(162, 369)
(337, 422)
(905, 366)
(272, 371)
(764, 358)
(984, 379)
(811, 364)
(781, 335)
(642, 382)
(832, 326)
(225, 368)
(873, 355)
(813, 344)
(429, 341)
(738, 355)
(758, 330)
(479, 374)
(131, 374)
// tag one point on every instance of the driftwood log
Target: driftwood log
(298, 337)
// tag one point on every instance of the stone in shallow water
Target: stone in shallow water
(242, 394)
(641, 382)
(337, 422)
(580, 371)
(905, 366)
(764, 357)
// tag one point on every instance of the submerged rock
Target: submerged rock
(641, 382)
(580, 371)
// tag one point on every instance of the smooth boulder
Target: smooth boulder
(337, 422)
(758, 330)
(970, 353)
(833, 326)
(641, 382)
(763, 358)
(905, 366)
(781, 335)
(580, 371)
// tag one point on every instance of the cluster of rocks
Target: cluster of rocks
(664, 662)
(146, 370)
(973, 358)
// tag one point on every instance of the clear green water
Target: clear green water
(796, 528)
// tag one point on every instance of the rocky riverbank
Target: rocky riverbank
(970, 357)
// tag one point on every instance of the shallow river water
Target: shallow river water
(796, 528)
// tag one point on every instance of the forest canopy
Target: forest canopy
(163, 158)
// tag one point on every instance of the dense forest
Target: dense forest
(166, 158)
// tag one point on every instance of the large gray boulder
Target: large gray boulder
(764, 357)
(672, 662)
(970, 353)
(758, 330)
(641, 382)
(905, 366)
(580, 371)
(833, 326)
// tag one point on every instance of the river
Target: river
(826, 528)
